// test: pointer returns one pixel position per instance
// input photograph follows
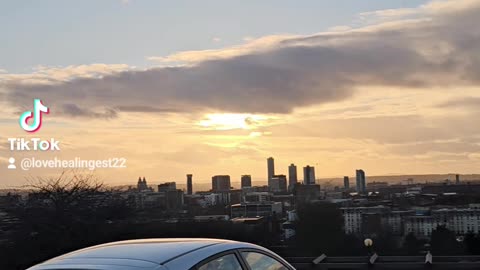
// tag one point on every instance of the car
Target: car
(169, 254)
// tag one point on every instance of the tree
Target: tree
(62, 214)
(472, 244)
(443, 242)
(411, 244)
(385, 243)
(353, 246)
(319, 228)
(66, 191)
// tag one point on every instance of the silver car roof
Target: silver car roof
(145, 253)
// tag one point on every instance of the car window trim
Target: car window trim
(273, 256)
(185, 253)
(221, 254)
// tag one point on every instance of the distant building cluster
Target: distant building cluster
(249, 204)
(167, 196)
(367, 207)
(419, 222)
(279, 196)
(416, 209)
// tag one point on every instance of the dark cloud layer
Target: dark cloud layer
(439, 50)
(73, 110)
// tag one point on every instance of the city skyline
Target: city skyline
(221, 95)
(240, 134)
(285, 172)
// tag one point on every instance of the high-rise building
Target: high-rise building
(282, 182)
(174, 199)
(306, 193)
(346, 182)
(270, 170)
(168, 186)
(189, 184)
(279, 183)
(361, 182)
(246, 180)
(292, 175)
(221, 183)
(309, 175)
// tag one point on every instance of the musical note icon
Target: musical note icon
(38, 110)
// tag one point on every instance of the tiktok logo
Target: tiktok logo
(38, 110)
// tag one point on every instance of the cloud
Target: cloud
(458, 147)
(50, 75)
(277, 74)
(462, 103)
(432, 8)
(252, 46)
(146, 109)
(387, 130)
(75, 111)
(340, 28)
(387, 15)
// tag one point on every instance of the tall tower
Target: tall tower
(346, 183)
(189, 184)
(361, 182)
(139, 184)
(246, 180)
(309, 175)
(292, 175)
(271, 170)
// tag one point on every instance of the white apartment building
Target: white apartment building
(420, 226)
(459, 220)
(394, 221)
(353, 217)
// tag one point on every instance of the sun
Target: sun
(229, 121)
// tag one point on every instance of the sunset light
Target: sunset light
(229, 121)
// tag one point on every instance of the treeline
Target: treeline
(320, 230)
(76, 211)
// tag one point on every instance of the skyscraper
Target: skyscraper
(221, 183)
(246, 181)
(309, 175)
(346, 183)
(271, 170)
(282, 182)
(189, 184)
(279, 183)
(292, 175)
(361, 182)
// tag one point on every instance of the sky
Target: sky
(217, 87)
